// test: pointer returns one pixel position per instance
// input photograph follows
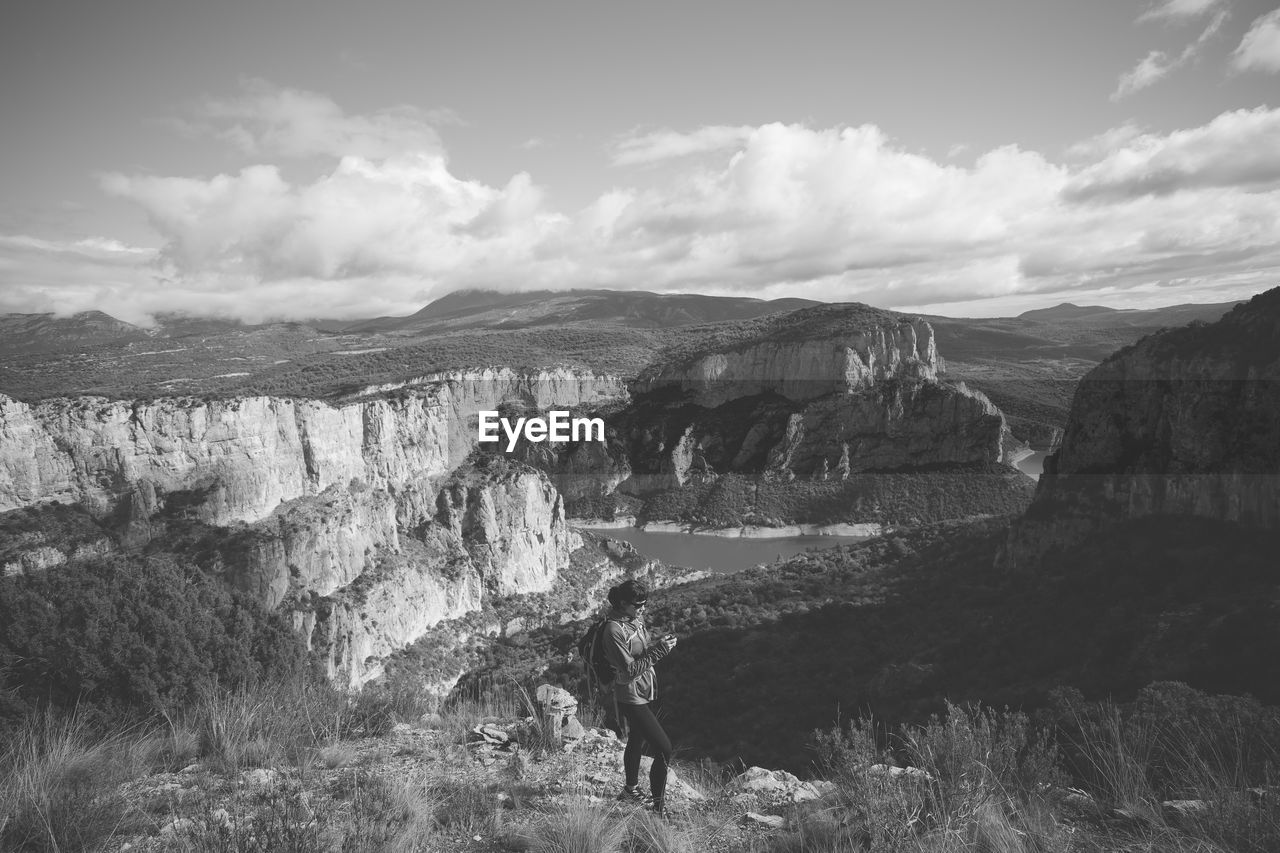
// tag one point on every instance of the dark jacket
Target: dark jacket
(629, 649)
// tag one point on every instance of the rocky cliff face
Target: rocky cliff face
(499, 530)
(238, 460)
(358, 516)
(891, 425)
(801, 370)
(839, 393)
(1185, 422)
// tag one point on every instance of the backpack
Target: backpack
(600, 672)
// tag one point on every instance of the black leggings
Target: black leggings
(645, 728)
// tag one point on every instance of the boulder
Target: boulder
(489, 733)
(553, 698)
(776, 785)
(772, 821)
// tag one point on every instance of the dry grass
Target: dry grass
(986, 782)
(57, 786)
(578, 828)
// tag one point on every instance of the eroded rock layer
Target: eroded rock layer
(802, 370)
(363, 518)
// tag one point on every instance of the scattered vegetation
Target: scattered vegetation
(889, 498)
(1078, 776)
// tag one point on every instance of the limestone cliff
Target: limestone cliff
(817, 394)
(239, 459)
(356, 515)
(1185, 422)
(800, 370)
(499, 530)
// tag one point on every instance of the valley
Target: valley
(370, 521)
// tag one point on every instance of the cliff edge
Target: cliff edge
(1185, 422)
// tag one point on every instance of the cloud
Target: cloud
(268, 120)
(1178, 10)
(1152, 68)
(667, 144)
(1157, 64)
(1236, 149)
(66, 276)
(406, 215)
(1259, 50)
(1102, 144)
(832, 213)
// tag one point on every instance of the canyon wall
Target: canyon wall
(803, 369)
(1185, 422)
(842, 390)
(237, 460)
(365, 518)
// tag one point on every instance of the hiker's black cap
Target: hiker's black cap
(628, 592)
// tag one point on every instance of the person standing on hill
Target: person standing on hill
(633, 654)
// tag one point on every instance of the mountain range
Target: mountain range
(1028, 365)
(369, 520)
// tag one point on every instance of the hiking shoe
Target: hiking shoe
(633, 795)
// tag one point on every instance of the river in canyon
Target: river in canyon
(728, 554)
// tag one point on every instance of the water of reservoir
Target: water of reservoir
(718, 553)
(721, 554)
(1033, 465)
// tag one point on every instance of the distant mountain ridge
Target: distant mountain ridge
(494, 309)
(29, 332)
(1028, 367)
(1101, 316)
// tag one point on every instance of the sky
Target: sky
(307, 158)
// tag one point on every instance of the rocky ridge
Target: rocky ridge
(502, 761)
(832, 394)
(1185, 422)
(362, 518)
(802, 370)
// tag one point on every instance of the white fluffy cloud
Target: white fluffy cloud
(838, 213)
(401, 217)
(1236, 149)
(1259, 50)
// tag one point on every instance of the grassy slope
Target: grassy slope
(895, 624)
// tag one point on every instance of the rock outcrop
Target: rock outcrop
(359, 517)
(822, 393)
(500, 530)
(802, 370)
(237, 460)
(1185, 422)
